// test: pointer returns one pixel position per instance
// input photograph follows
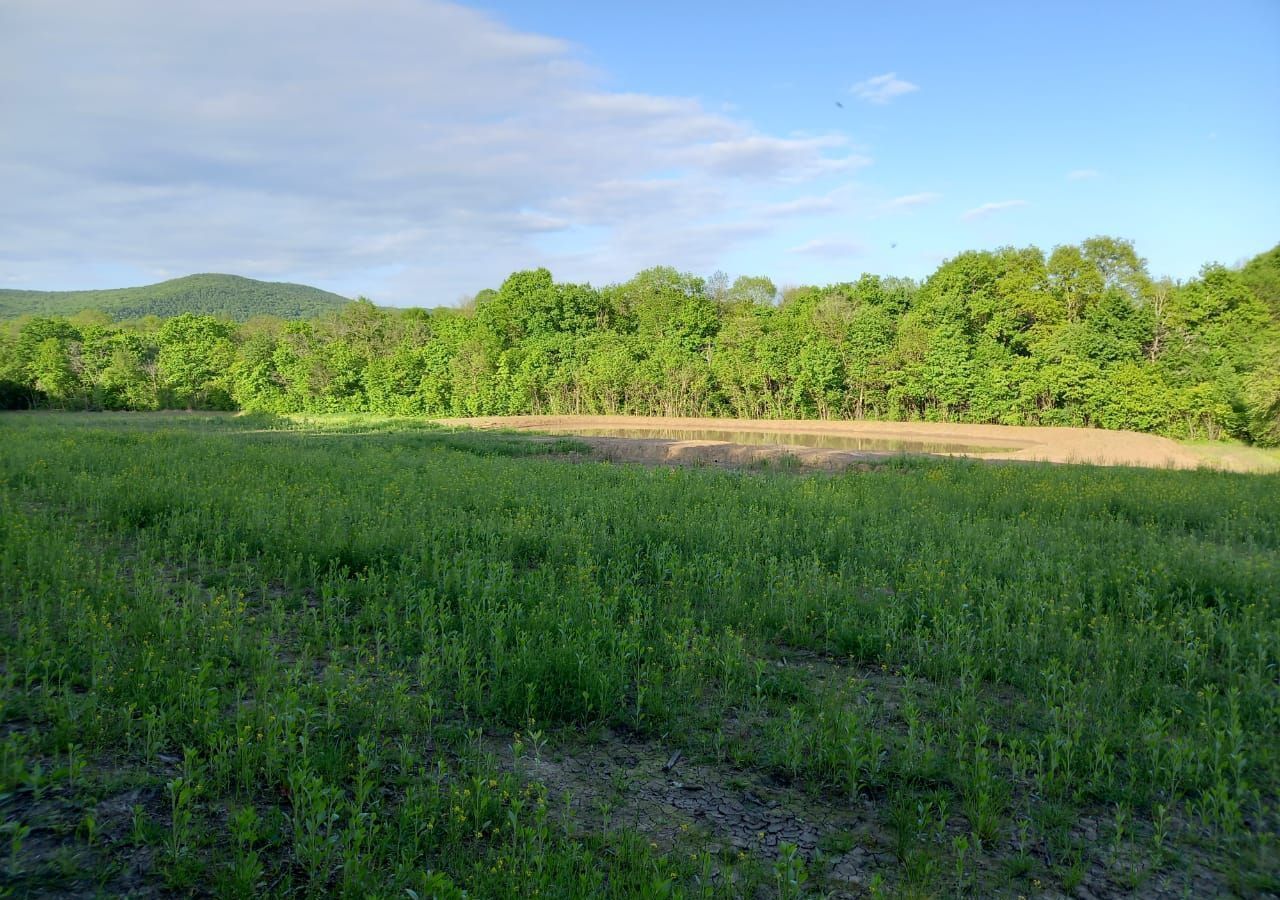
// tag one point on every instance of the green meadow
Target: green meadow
(261, 656)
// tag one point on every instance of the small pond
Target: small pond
(868, 443)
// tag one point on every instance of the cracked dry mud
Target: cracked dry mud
(621, 782)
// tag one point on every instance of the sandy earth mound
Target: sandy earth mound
(998, 442)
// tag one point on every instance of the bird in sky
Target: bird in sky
(839, 104)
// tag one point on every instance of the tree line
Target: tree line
(1080, 336)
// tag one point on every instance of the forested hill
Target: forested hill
(1081, 335)
(226, 296)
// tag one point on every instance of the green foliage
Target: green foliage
(1262, 397)
(1262, 275)
(1081, 337)
(276, 656)
(229, 296)
(196, 354)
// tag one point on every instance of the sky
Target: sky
(417, 151)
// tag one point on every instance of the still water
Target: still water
(784, 438)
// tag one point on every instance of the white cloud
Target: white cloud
(762, 156)
(334, 140)
(829, 247)
(911, 201)
(882, 88)
(987, 209)
(800, 206)
(1083, 174)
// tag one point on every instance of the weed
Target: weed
(306, 642)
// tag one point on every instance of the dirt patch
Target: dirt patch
(620, 781)
(1057, 445)
(76, 842)
(682, 805)
(735, 810)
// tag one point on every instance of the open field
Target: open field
(1001, 442)
(249, 655)
(1236, 457)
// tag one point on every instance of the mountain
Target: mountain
(220, 295)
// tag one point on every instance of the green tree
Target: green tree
(662, 304)
(127, 378)
(1262, 396)
(53, 375)
(755, 289)
(195, 361)
(1262, 276)
(1073, 281)
(1081, 337)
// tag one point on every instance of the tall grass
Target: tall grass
(298, 648)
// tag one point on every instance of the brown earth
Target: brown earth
(1027, 444)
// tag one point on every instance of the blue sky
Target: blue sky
(416, 151)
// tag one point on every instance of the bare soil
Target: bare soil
(695, 803)
(1026, 444)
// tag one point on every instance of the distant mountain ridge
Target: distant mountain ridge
(229, 296)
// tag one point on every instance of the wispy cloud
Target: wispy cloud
(911, 201)
(882, 88)
(801, 206)
(466, 149)
(829, 247)
(1082, 174)
(763, 156)
(987, 209)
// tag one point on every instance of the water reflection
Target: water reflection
(785, 438)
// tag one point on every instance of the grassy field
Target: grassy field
(1241, 457)
(249, 656)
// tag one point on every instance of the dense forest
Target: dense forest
(1082, 335)
(226, 296)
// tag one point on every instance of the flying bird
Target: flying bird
(839, 104)
(893, 245)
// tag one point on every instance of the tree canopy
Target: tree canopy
(1080, 336)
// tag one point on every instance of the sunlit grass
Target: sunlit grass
(263, 655)
(1241, 457)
